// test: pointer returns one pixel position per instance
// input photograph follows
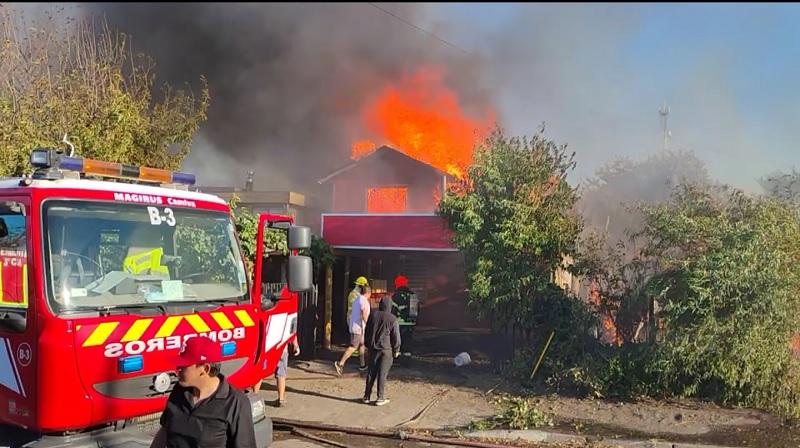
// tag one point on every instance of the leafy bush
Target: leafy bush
(722, 270)
(703, 302)
(514, 413)
(513, 221)
(728, 296)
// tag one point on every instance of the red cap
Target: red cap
(197, 350)
(400, 281)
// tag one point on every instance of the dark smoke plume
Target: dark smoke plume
(287, 80)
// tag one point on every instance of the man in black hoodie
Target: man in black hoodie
(382, 338)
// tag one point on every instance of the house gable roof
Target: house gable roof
(386, 154)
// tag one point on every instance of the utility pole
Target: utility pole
(664, 112)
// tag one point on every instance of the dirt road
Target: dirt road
(314, 394)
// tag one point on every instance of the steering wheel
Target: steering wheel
(66, 269)
(67, 263)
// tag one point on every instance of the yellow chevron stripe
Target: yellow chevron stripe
(244, 317)
(197, 323)
(25, 283)
(222, 320)
(169, 326)
(100, 334)
(137, 330)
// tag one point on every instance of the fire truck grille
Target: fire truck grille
(142, 386)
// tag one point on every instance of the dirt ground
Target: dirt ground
(459, 395)
(314, 393)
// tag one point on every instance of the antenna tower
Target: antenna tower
(664, 112)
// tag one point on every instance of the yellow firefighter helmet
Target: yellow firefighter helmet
(362, 281)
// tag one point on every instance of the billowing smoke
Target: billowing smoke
(598, 73)
(287, 80)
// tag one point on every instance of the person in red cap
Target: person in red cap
(203, 409)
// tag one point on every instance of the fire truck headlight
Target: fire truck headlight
(42, 158)
(257, 407)
(161, 382)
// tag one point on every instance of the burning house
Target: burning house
(381, 224)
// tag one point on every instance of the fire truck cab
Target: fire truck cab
(105, 270)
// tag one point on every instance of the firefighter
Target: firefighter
(360, 281)
(404, 307)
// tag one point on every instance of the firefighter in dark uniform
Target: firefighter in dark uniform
(203, 409)
(405, 307)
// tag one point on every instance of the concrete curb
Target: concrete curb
(534, 435)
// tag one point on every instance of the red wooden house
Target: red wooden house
(382, 223)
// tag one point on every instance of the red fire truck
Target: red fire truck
(106, 269)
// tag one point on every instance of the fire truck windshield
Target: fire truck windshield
(111, 254)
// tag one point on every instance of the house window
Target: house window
(387, 200)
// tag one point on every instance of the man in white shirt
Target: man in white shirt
(358, 320)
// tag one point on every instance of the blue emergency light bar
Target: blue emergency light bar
(44, 158)
(130, 364)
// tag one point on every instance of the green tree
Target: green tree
(81, 79)
(246, 223)
(274, 240)
(513, 219)
(727, 290)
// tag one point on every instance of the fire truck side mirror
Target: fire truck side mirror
(299, 273)
(299, 238)
(3, 228)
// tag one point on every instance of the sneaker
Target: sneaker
(338, 367)
(381, 402)
(362, 368)
(280, 403)
(366, 400)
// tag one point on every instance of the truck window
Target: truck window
(13, 266)
(273, 277)
(111, 254)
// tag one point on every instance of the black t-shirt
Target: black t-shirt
(223, 420)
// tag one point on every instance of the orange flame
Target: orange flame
(610, 333)
(387, 200)
(424, 119)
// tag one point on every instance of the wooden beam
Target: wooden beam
(328, 306)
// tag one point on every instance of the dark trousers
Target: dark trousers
(379, 363)
(406, 332)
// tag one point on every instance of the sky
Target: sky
(729, 73)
